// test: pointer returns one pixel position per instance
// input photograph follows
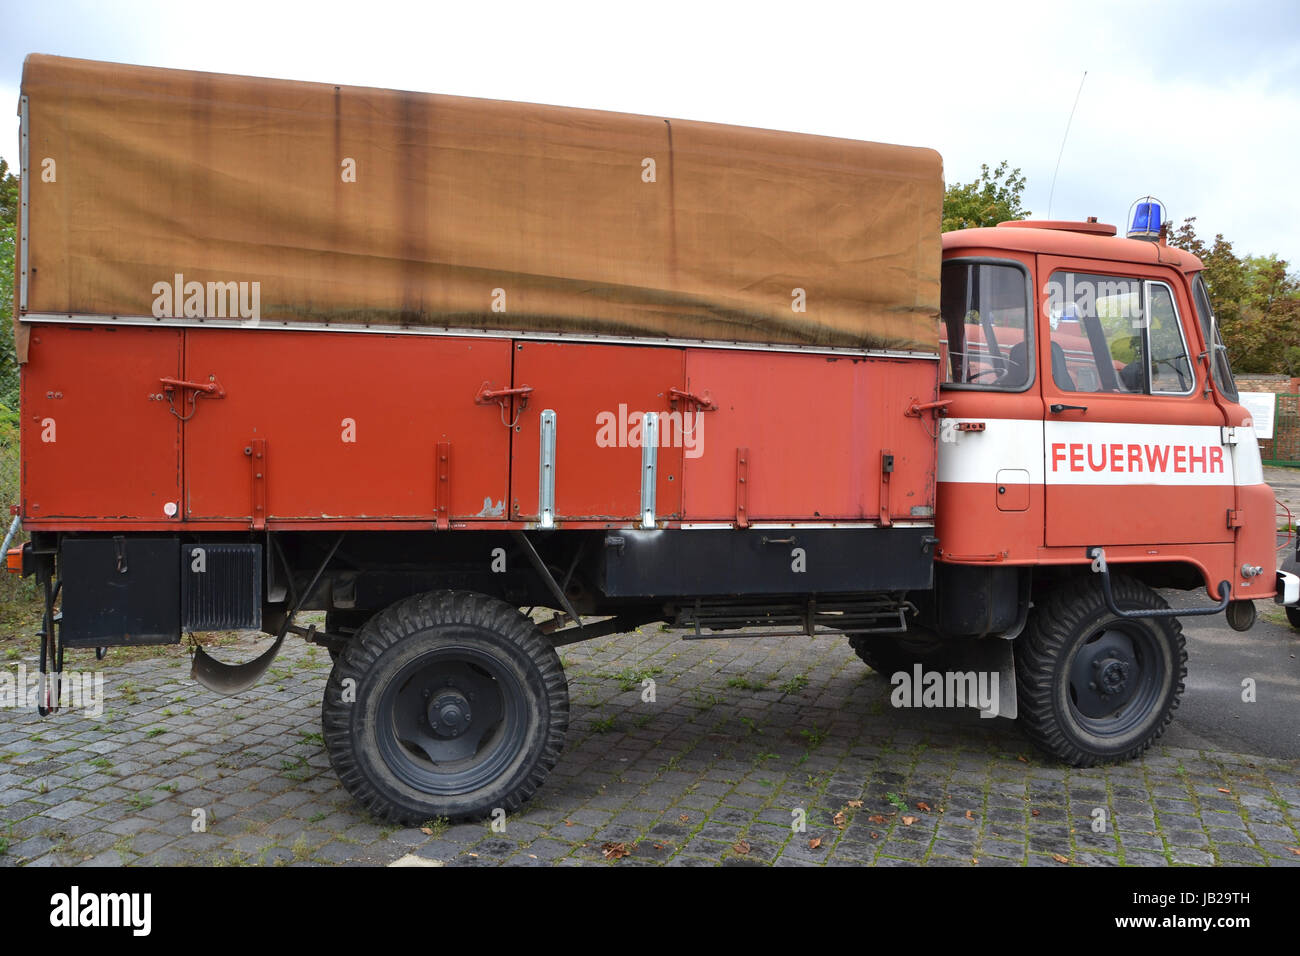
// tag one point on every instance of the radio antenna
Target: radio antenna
(1051, 194)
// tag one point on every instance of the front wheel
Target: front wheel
(1093, 687)
(447, 704)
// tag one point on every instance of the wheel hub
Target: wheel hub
(1112, 676)
(1107, 674)
(448, 713)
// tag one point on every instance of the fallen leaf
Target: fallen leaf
(474, 855)
(855, 804)
(908, 821)
(427, 831)
(970, 814)
(568, 823)
(1060, 859)
(614, 851)
(1295, 850)
(1224, 790)
(742, 847)
(684, 818)
(814, 843)
(923, 806)
(1033, 813)
(839, 819)
(975, 861)
(875, 835)
(1022, 759)
(532, 856)
(659, 846)
(878, 818)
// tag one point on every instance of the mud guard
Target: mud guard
(230, 679)
(992, 656)
(233, 678)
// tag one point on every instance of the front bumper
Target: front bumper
(1288, 589)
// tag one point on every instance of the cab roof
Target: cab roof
(1087, 240)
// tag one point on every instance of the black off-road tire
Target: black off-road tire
(1293, 615)
(406, 690)
(1092, 687)
(346, 623)
(887, 654)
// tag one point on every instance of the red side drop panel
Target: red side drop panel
(815, 429)
(352, 425)
(598, 394)
(97, 444)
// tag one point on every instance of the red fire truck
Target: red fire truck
(435, 365)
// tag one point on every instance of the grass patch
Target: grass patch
(795, 684)
(631, 678)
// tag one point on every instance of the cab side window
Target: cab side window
(1116, 334)
(984, 330)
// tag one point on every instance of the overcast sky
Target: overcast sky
(1197, 103)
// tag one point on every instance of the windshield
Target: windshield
(1210, 329)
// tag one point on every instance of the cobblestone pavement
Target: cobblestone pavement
(742, 735)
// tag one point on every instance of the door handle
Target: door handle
(1057, 409)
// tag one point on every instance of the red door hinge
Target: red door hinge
(742, 487)
(442, 493)
(256, 452)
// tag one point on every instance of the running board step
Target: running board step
(869, 615)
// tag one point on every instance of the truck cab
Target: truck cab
(1092, 407)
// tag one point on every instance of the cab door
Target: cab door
(990, 449)
(1133, 450)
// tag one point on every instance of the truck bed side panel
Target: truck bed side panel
(352, 423)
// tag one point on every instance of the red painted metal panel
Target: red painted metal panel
(352, 425)
(597, 393)
(816, 427)
(98, 444)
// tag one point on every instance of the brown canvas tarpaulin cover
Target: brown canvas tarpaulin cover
(236, 179)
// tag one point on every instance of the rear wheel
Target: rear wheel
(448, 704)
(1093, 687)
(886, 654)
(1293, 615)
(346, 624)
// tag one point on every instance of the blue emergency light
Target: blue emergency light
(1146, 216)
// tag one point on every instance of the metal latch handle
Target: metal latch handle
(703, 401)
(916, 408)
(502, 396)
(208, 389)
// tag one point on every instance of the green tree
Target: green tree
(8, 230)
(8, 193)
(1256, 300)
(989, 200)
